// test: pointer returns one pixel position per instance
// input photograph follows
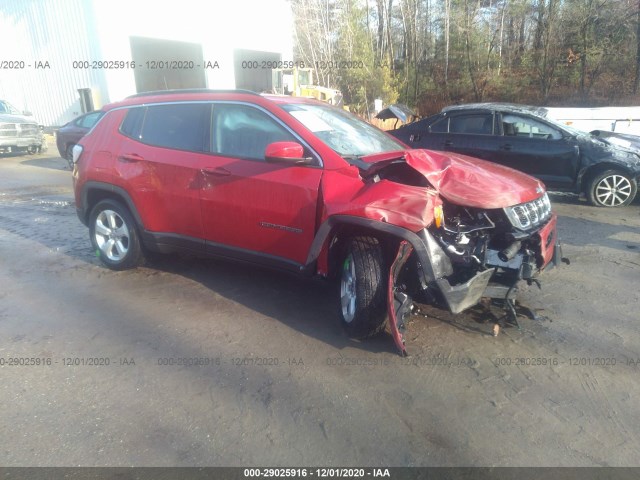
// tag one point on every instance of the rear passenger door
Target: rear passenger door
(159, 161)
(471, 134)
(250, 207)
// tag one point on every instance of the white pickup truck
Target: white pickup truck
(19, 132)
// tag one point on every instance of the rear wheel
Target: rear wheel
(612, 188)
(114, 235)
(362, 288)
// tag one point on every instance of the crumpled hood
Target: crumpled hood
(470, 181)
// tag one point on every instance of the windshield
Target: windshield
(6, 107)
(343, 132)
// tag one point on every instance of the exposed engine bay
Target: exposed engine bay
(475, 240)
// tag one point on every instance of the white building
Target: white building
(60, 58)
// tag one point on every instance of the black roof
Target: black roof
(503, 107)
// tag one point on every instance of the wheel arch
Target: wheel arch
(94, 192)
(591, 171)
(325, 249)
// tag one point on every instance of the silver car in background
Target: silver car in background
(19, 133)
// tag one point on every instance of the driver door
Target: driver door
(255, 207)
(535, 147)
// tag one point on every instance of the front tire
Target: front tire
(114, 235)
(363, 285)
(611, 189)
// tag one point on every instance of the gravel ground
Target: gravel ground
(276, 381)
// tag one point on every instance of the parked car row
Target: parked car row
(296, 184)
(525, 139)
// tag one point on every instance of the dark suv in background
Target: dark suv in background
(524, 138)
(297, 184)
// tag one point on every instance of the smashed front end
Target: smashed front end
(491, 250)
(460, 229)
(469, 254)
(479, 250)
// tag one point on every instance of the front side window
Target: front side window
(441, 126)
(478, 124)
(521, 126)
(181, 126)
(244, 132)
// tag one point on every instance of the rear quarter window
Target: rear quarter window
(132, 122)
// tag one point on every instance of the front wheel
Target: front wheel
(114, 235)
(611, 189)
(362, 288)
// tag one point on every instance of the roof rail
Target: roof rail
(189, 90)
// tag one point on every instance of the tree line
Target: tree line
(430, 53)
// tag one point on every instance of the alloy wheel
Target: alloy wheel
(613, 190)
(112, 235)
(348, 289)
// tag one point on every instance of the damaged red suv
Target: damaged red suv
(300, 185)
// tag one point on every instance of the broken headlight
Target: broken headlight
(531, 214)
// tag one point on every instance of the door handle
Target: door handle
(448, 143)
(219, 172)
(506, 146)
(131, 157)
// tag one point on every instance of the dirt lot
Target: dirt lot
(281, 384)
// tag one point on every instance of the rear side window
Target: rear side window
(179, 126)
(480, 124)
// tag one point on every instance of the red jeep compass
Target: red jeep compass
(300, 185)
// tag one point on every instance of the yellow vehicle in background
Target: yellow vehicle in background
(298, 82)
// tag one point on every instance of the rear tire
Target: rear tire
(363, 284)
(611, 188)
(114, 236)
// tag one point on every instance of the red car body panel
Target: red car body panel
(548, 239)
(263, 207)
(406, 206)
(165, 183)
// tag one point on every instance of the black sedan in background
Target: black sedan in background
(68, 135)
(524, 138)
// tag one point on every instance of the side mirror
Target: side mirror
(27, 113)
(286, 152)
